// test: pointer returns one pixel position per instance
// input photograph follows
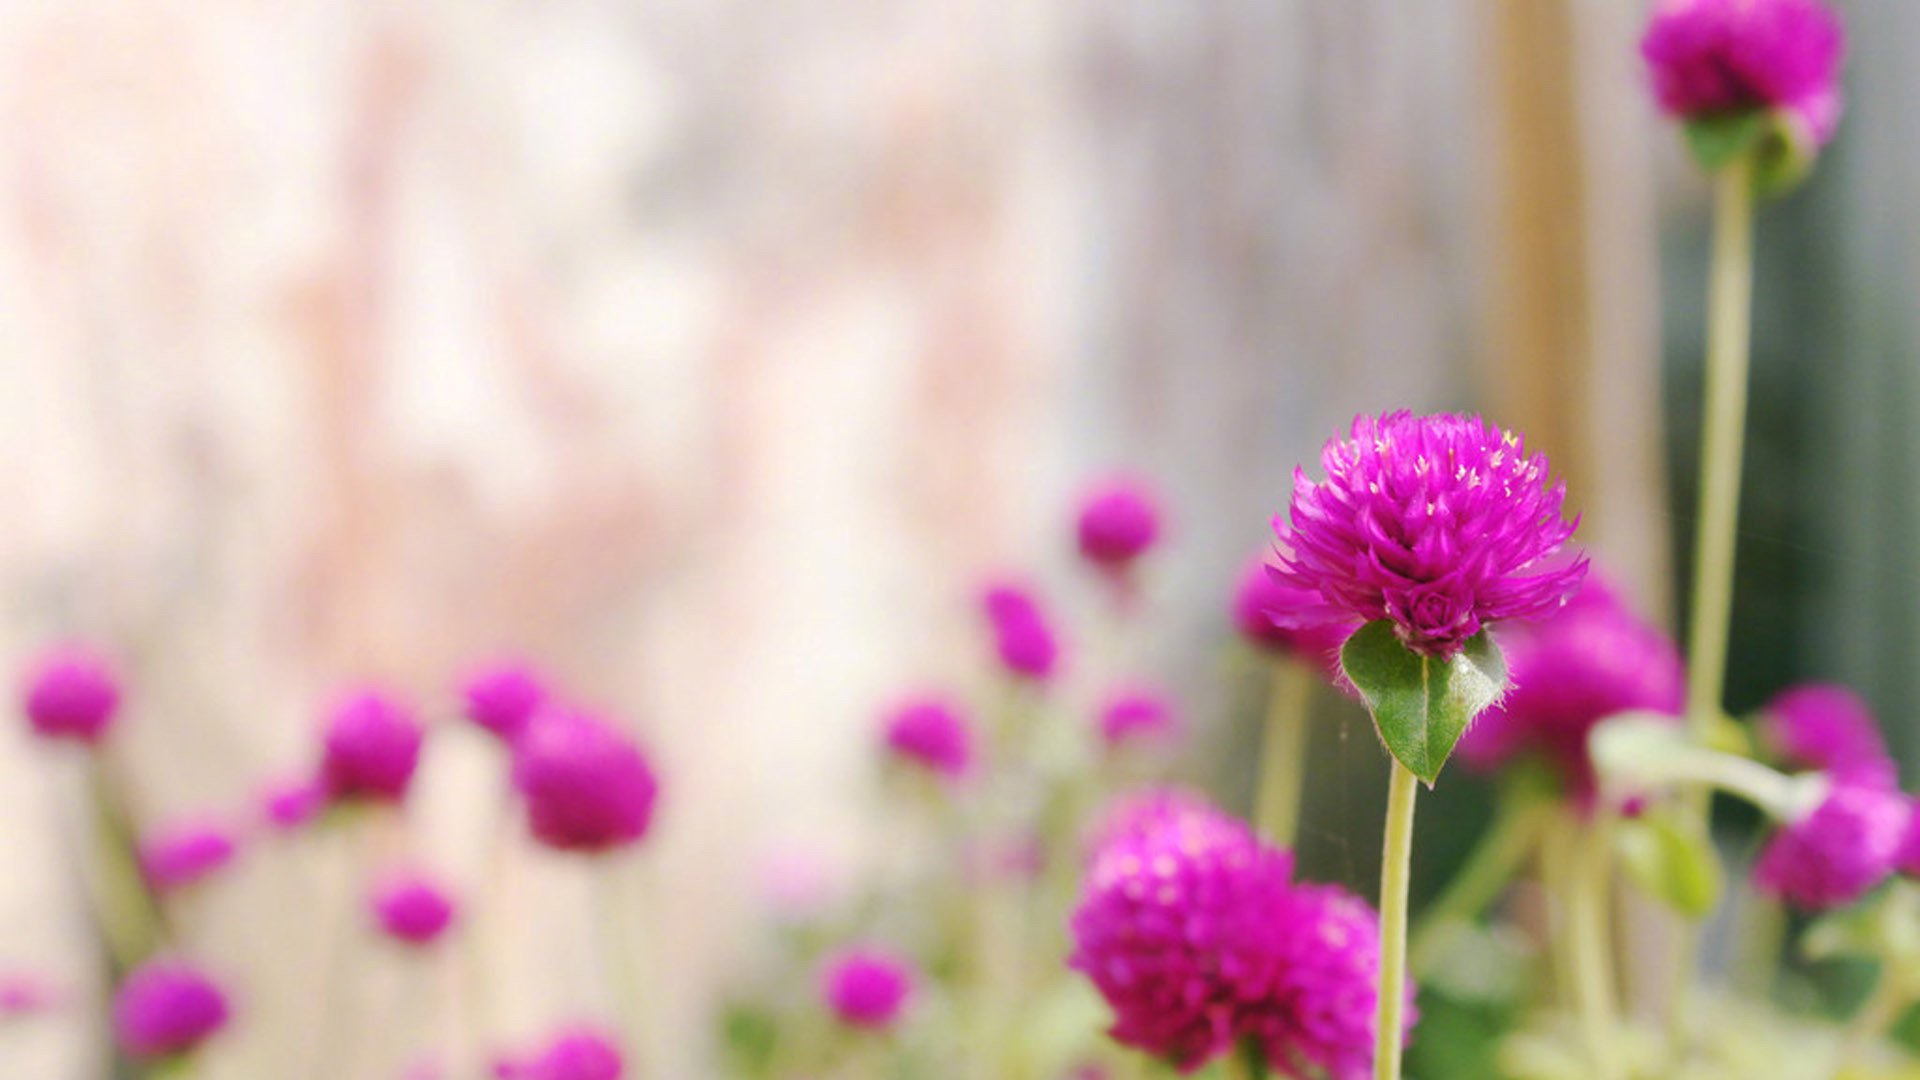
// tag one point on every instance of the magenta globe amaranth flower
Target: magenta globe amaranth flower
(1023, 637)
(1320, 1015)
(579, 1053)
(71, 693)
(933, 734)
(1832, 856)
(586, 785)
(371, 746)
(501, 697)
(1138, 714)
(1592, 660)
(1118, 521)
(1442, 524)
(186, 852)
(412, 908)
(1713, 58)
(1828, 728)
(867, 987)
(288, 804)
(1285, 620)
(167, 1008)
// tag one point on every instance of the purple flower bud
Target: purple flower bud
(186, 852)
(1719, 57)
(587, 786)
(1022, 635)
(932, 733)
(1845, 847)
(579, 1053)
(71, 693)
(502, 697)
(1138, 714)
(372, 744)
(1118, 521)
(867, 987)
(167, 1008)
(1278, 618)
(412, 908)
(286, 805)
(1827, 728)
(1442, 524)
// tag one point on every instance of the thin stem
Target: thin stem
(1588, 931)
(1491, 865)
(333, 1034)
(1283, 757)
(1396, 865)
(619, 952)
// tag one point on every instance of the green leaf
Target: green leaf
(1674, 865)
(1421, 705)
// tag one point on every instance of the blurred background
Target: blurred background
(710, 351)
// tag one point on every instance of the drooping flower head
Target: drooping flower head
(186, 852)
(586, 784)
(1285, 620)
(931, 733)
(1825, 727)
(867, 987)
(1023, 636)
(1832, 856)
(372, 744)
(1441, 524)
(167, 1008)
(578, 1053)
(289, 803)
(71, 693)
(1138, 713)
(501, 697)
(1591, 660)
(1713, 58)
(1118, 521)
(412, 907)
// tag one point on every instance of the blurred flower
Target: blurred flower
(426, 1068)
(503, 696)
(167, 1008)
(1906, 860)
(1433, 522)
(288, 804)
(1591, 660)
(1320, 1013)
(1022, 636)
(412, 908)
(867, 987)
(579, 1053)
(372, 744)
(1718, 57)
(932, 733)
(586, 785)
(1827, 728)
(24, 994)
(1118, 522)
(71, 693)
(1846, 846)
(1138, 714)
(1287, 621)
(186, 852)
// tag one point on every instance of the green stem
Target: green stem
(335, 1019)
(1883, 1006)
(1491, 865)
(1396, 866)
(1283, 756)
(1589, 939)
(619, 953)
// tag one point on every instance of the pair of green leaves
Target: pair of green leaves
(1421, 705)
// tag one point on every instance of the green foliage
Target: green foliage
(1673, 865)
(1421, 705)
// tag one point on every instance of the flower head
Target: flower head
(1283, 619)
(1022, 635)
(866, 987)
(932, 733)
(501, 697)
(1720, 57)
(412, 908)
(1825, 727)
(167, 1008)
(71, 693)
(1846, 846)
(579, 1053)
(372, 744)
(289, 803)
(1134, 714)
(1591, 660)
(1118, 521)
(186, 852)
(587, 786)
(1321, 1010)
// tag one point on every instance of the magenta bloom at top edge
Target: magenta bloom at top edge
(1827, 727)
(1442, 524)
(867, 987)
(1118, 521)
(576, 1053)
(1720, 57)
(71, 693)
(371, 747)
(502, 696)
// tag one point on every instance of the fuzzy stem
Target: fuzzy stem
(1587, 929)
(1396, 866)
(1488, 869)
(1283, 758)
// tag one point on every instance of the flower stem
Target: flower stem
(1883, 1006)
(1488, 869)
(1589, 939)
(619, 953)
(1283, 757)
(1396, 865)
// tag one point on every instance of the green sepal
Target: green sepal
(1676, 866)
(1421, 705)
(1782, 153)
(1884, 927)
